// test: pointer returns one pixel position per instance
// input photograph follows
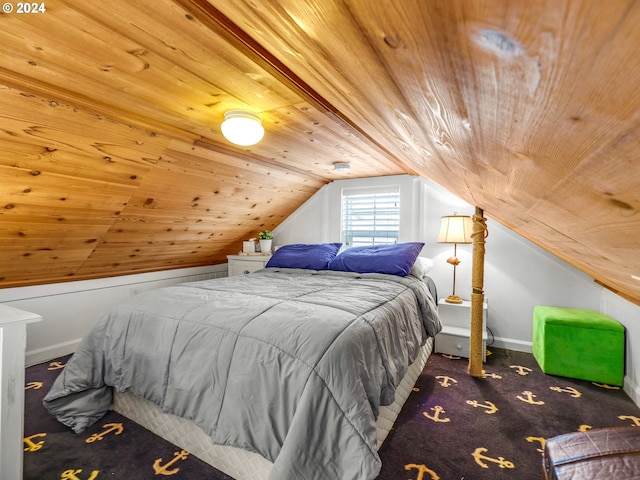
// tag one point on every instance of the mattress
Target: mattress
(258, 362)
(235, 462)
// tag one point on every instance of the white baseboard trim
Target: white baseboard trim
(510, 344)
(45, 354)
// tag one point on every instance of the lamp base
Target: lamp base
(453, 299)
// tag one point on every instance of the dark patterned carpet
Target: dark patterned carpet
(452, 427)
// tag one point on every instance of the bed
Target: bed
(285, 373)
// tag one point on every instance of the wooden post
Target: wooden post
(13, 337)
(477, 294)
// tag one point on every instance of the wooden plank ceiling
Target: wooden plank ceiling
(112, 161)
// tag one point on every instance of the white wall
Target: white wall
(518, 274)
(70, 309)
(318, 220)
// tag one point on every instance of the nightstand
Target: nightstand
(456, 322)
(243, 264)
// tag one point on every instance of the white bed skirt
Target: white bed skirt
(235, 462)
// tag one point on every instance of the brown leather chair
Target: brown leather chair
(603, 454)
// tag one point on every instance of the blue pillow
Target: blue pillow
(395, 259)
(313, 256)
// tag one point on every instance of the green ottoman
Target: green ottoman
(576, 343)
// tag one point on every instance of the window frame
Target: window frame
(369, 224)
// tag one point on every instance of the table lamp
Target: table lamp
(455, 229)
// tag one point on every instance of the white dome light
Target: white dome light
(242, 128)
(342, 166)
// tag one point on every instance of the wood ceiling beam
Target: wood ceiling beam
(215, 20)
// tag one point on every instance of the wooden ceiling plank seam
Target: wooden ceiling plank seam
(77, 121)
(66, 180)
(255, 159)
(172, 53)
(213, 19)
(90, 168)
(114, 78)
(63, 95)
(393, 42)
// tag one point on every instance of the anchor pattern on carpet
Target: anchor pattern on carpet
(480, 407)
(103, 451)
(453, 426)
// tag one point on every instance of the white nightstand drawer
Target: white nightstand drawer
(455, 341)
(243, 264)
(240, 267)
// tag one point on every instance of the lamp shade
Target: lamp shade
(242, 128)
(455, 229)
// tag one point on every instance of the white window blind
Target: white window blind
(370, 217)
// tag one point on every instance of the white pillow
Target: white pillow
(421, 267)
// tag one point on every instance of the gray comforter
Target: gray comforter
(291, 364)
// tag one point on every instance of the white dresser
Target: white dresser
(13, 342)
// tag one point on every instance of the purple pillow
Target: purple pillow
(312, 256)
(394, 259)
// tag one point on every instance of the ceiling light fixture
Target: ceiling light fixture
(242, 128)
(342, 166)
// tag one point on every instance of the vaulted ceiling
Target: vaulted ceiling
(112, 160)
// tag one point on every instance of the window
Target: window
(370, 216)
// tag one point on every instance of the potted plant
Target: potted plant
(266, 238)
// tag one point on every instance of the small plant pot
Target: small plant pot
(265, 245)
